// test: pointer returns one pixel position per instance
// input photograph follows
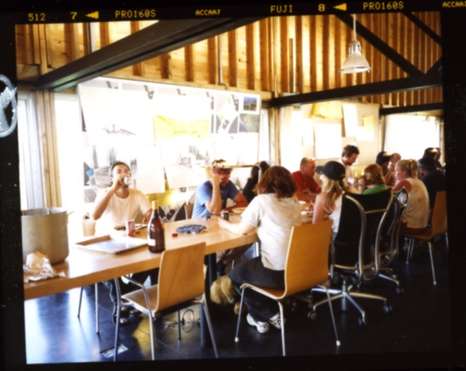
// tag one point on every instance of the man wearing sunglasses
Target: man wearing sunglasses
(212, 195)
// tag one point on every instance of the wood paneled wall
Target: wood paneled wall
(294, 54)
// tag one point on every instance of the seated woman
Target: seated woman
(273, 212)
(415, 216)
(257, 171)
(328, 202)
(373, 180)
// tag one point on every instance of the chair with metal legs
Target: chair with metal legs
(438, 227)
(306, 266)
(180, 284)
(355, 248)
(96, 303)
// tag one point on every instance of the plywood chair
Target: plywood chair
(180, 283)
(306, 267)
(438, 227)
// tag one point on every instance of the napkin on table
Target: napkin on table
(38, 268)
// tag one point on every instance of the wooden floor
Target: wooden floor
(419, 322)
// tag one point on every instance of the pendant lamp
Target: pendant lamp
(355, 62)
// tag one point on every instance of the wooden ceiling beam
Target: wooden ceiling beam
(376, 88)
(157, 39)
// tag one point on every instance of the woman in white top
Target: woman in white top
(415, 216)
(273, 212)
(328, 202)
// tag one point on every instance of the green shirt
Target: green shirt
(376, 189)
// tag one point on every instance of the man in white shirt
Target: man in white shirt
(121, 203)
(118, 204)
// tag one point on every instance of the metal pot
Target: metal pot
(45, 230)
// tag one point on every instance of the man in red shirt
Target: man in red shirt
(306, 187)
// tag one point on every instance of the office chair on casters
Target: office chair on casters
(438, 227)
(354, 249)
(180, 284)
(306, 266)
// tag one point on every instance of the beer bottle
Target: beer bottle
(155, 232)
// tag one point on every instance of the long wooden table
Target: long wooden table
(83, 268)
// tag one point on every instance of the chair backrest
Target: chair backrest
(361, 224)
(439, 214)
(307, 258)
(181, 275)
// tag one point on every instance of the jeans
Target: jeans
(252, 271)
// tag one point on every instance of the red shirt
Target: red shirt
(305, 183)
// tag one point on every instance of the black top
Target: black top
(434, 182)
(248, 190)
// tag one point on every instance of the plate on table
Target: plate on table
(238, 210)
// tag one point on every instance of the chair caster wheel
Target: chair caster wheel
(312, 315)
(236, 339)
(387, 308)
(362, 321)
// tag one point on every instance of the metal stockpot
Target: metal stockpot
(45, 230)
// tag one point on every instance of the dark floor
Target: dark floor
(419, 322)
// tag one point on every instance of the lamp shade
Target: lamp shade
(355, 62)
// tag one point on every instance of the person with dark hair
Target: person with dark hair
(416, 214)
(212, 195)
(306, 187)
(433, 178)
(373, 179)
(328, 202)
(434, 153)
(349, 156)
(119, 204)
(273, 212)
(249, 190)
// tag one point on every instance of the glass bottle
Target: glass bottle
(155, 231)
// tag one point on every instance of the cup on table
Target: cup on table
(130, 227)
(88, 227)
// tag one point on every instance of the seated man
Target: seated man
(432, 177)
(212, 195)
(118, 204)
(211, 198)
(306, 186)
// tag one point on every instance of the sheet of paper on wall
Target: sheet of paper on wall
(328, 140)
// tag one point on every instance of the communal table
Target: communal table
(85, 267)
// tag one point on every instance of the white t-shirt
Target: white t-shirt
(119, 210)
(273, 218)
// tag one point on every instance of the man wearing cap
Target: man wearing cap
(212, 195)
(306, 187)
(349, 156)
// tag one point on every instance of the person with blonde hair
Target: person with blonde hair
(328, 202)
(373, 179)
(415, 217)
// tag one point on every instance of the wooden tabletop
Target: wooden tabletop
(82, 268)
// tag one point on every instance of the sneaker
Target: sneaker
(275, 321)
(261, 327)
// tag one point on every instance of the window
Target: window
(402, 129)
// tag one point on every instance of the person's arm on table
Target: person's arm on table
(240, 200)
(236, 228)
